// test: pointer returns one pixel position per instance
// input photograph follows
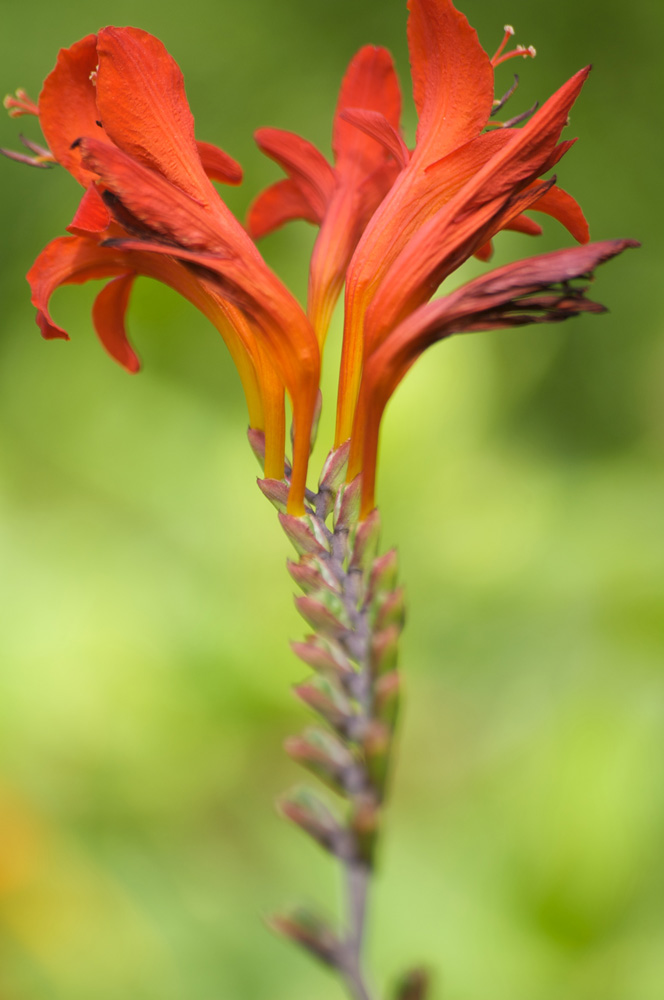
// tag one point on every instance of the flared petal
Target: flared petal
(76, 259)
(68, 260)
(563, 207)
(485, 252)
(284, 331)
(153, 201)
(478, 210)
(377, 127)
(530, 291)
(415, 197)
(522, 224)
(144, 110)
(308, 169)
(370, 85)
(68, 106)
(452, 78)
(218, 165)
(108, 317)
(278, 204)
(92, 215)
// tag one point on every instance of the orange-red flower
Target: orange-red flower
(393, 223)
(537, 290)
(461, 185)
(340, 199)
(114, 113)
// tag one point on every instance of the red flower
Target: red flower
(340, 199)
(461, 185)
(114, 113)
(393, 224)
(537, 290)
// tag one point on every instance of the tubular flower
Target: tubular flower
(461, 185)
(340, 199)
(114, 113)
(393, 223)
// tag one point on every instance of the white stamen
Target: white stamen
(508, 29)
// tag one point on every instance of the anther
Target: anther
(519, 50)
(509, 31)
(19, 105)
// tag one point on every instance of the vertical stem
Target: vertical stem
(362, 724)
(357, 872)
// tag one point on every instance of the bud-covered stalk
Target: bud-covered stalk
(351, 600)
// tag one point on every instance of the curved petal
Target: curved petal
(153, 200)
(522, 224)
(218, 165)
(282, 202)
(108, 315)
(376, 126)
(488, 199)
(285, 334)
(503, 297)
(91, 216)
(68, 260)
(519, 224)
(144, 110)
(76, 259)
(452, 78)
(68, 105)
(563, 207)
(371, 85)
(485, 252)
(303, 163)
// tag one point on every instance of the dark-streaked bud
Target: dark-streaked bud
(376, 744)
(276, 492)
(328, 699)
(257, 444)
(322, 754)
(304, 533)
(390, 610)
(347, 506)
(384, 650)
(325, 657)
(304, 808)
(365, 541)
(310, 931)
(386, 697)
(334, 469)
(312, 574)
(323, 613)
(383, 575)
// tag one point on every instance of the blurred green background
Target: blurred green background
(144, 688)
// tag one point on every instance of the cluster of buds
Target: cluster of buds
(352, 603)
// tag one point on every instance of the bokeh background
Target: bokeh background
(145, 607)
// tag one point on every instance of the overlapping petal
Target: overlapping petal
(536, 290)
(452, 78)
(393, 223)
(115, 114)
(339, 199)
(435, 218)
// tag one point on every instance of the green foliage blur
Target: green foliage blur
(146, 611)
